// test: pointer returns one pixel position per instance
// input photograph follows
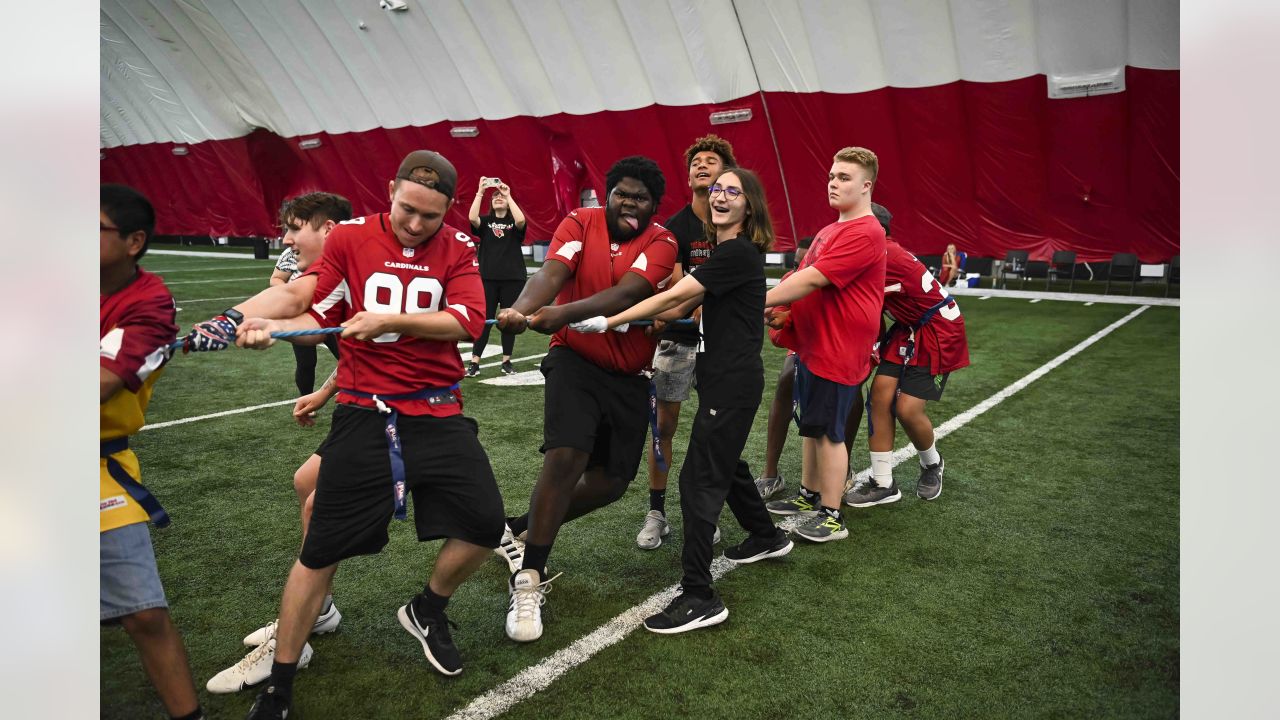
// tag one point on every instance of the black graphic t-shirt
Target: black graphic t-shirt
(498, 243)
(729, 370)
(694, 250)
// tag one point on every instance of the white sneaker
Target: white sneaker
(524, 616)
(326, 623)
(253, 669)
(770, 486)
(655, 528)
(510, 549)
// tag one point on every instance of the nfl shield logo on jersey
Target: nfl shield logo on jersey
(408, 252)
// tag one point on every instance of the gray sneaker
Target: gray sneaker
(822, 528)
(769, 486)
(929, 486)
(794, 505)
(869, 493)
(655, 528)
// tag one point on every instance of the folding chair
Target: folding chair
(1015, 263)
(1173, 274)
(1126, 262)
(1064, 261)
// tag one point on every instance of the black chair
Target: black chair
(1063, 262)
(1174, 275)
(1126, 262)
(1015, 263)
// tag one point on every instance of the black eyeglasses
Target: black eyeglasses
(732, 193)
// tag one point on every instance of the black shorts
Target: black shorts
(823, 404)
(917, 381)
(596, 411)
(446, 473)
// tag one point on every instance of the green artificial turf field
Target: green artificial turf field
(1043, 583)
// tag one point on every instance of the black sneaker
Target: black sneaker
(507, 369)
(929, 486)
(869, 493)
(433, 633)
(473, 368)
(270, 706)
(686, 613)
(757, 548)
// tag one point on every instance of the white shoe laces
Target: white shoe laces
(652, 525)
(527, 601)
(256, 655)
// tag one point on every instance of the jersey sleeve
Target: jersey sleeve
(847, 256)
(656, 261)
(139, 344)
(566, 242)
(330, 303)
(463, 290)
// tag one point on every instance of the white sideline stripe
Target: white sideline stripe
(1036, 300)
(988, 297)
(219, 280)
(1088, 303)
(540, 676)
(278, 403)
(196, 269)
(1066, 297)
(197, 253)
(229, 297)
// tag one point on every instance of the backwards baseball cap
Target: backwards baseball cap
(435, 171)
(883, 215)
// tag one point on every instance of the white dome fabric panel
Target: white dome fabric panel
(199, 70)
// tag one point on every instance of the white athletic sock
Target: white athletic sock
(930, 456)
(882, 468)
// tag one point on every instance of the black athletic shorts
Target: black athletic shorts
(917, 382)
(446, 473)
(823, 404)
(596, 411)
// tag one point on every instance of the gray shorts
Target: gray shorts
(128, 581)
(673, 370)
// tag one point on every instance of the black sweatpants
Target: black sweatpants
(714, 472)
(498, 292)
(304, 356)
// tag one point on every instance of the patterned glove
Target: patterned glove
(216, 333)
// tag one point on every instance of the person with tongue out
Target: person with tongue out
(601, 261)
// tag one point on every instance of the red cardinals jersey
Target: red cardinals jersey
(135, 325)
(582, 243)
(909, 291)
(835, 326)
(365, 268)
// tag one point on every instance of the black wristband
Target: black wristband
(235, 316)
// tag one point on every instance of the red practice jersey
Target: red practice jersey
(835, 326)
(582, 243)
(365, 268)
(909, 291)
(135, 327)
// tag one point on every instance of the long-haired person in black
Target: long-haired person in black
(730, 382)
(499, 237)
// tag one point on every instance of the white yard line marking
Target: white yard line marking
(196, 300)
(1069, 297)
(1035, 300)
(197, 253)
(985, 297)
(196, 269)
(218, 280)
(278, 403)
(1088, 303)
(540, 676)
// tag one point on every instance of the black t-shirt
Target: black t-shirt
(729, 370)
(498, 242)
(694, 250)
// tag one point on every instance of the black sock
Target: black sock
(535, 557)
(197, 714)
(808, 494)
(658, 500)
(832, 512)
(518, 524)
(429, 604)
(282, 678)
